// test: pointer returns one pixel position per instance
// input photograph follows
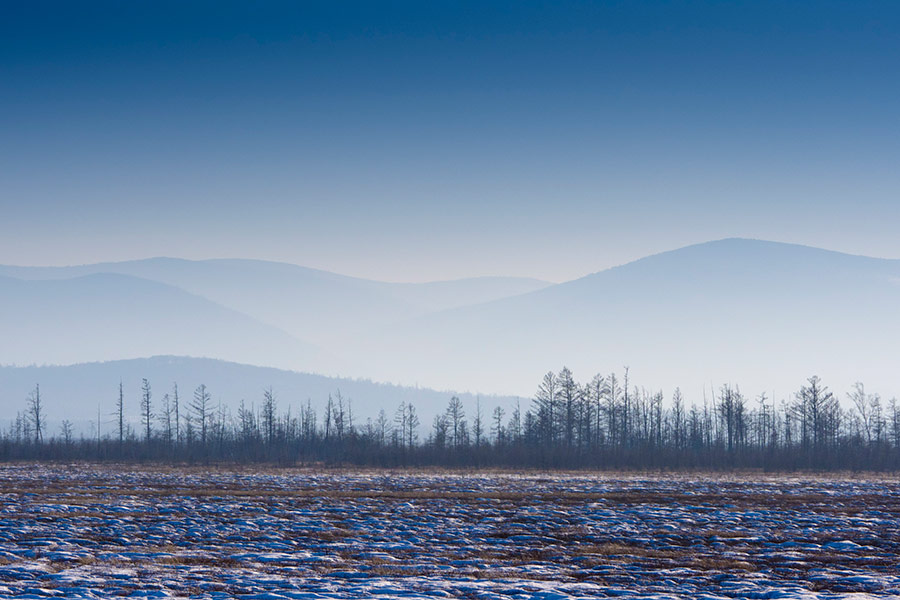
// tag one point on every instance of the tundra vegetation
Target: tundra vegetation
(105, 531)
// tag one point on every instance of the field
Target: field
(97, 532)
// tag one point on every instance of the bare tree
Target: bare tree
(120, 413)
(895, 423)
(166, 419)
(678, 419)
(201, 409)
(612, 409)
(269, 415)
(146, 409)
(36, 414)
(382, 428)
(731, 412)
(329, 410)
(309, 422)
(568, 395)
(816, 407)
(514, 426)
(177, 409)
(497, 428)
(456, 419)
(66, 430)
(477, 424)
(546, 398)
(440, 433)
(247, 420)
(340, 415)
(406, 423)
(865, 405)
(400, 423)
(594, 393)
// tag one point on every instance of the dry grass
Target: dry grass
(225, 562)
(614, 549)
(712, 563)
(571, 542)
(97, 490)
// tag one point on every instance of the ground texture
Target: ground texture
(97, 532)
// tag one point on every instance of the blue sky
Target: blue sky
(427, 140)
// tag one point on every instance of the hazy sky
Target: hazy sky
(430, 140)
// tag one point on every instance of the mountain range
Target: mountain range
(309, 304)
(759, 314)
(764, 315)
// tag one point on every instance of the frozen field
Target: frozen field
(101, 532)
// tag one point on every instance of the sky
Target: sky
(416, 141)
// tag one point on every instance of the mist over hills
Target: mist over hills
(109, 316)
(310, 304)
(763, 315)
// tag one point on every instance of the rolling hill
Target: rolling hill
(763, 314)
(108, 316)
(77, 392)
(318, 306)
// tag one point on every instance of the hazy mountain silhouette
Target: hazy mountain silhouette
(108, 316)
(762, 314)
(319, 306)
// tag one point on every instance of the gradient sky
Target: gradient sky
(414, 141)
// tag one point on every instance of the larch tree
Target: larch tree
(177, 410)
(568, 395)
(546, 398)
(120, 413)
(146, 409)
(456, 419)
(36, 414)
(269, 415)
(201, 408)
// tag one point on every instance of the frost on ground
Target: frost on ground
(83, 532)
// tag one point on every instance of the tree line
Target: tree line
(606, 422)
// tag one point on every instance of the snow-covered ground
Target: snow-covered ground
(98, 532)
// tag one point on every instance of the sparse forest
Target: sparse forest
(607, 422)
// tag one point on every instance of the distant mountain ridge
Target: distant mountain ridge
(762, 313)
(765, 315)
(309, 304)
(110, 316)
